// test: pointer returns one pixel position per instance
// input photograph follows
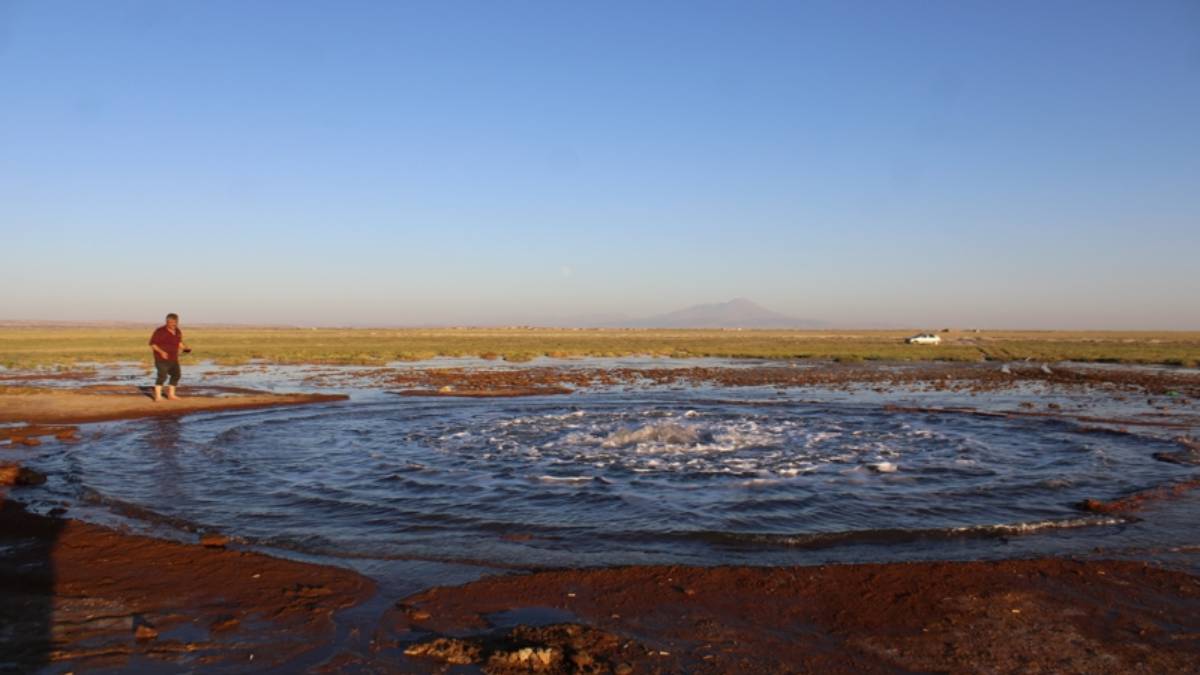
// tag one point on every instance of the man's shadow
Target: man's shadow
(28, 576)
(27, 586)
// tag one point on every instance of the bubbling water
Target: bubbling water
(661, 441)
(617, 478)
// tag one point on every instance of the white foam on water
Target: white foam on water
(1040, 525)
(891, 535)
(819, 437)
(687, 441)
(756, 482)
(666, 433)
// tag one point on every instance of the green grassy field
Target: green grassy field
(28, 347)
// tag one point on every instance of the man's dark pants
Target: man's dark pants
(165, 369)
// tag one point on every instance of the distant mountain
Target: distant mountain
(737, 313)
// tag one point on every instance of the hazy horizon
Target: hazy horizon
(1027, 165)
(601, 322)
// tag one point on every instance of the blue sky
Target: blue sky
(999, 164)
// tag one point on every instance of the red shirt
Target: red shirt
(167, 341)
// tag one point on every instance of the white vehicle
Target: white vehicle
(924, 339)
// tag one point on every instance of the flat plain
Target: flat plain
(64, 346)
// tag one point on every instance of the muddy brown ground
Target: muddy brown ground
(97, 404)
(96, 598)
(88, 597)
(1015, 616)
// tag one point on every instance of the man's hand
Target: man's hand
(158, 351)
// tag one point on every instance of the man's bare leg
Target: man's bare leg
(157, 393)
(171, 393)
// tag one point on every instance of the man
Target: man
(166, 343)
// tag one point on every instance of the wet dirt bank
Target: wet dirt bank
(92, 597)
(86, 597)
(99, 404)
(1047, 615)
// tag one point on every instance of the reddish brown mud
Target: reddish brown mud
(93, 597)
(1046, 615)
(1139, 500)
(24, 434)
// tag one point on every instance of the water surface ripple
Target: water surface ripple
(702, 476)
